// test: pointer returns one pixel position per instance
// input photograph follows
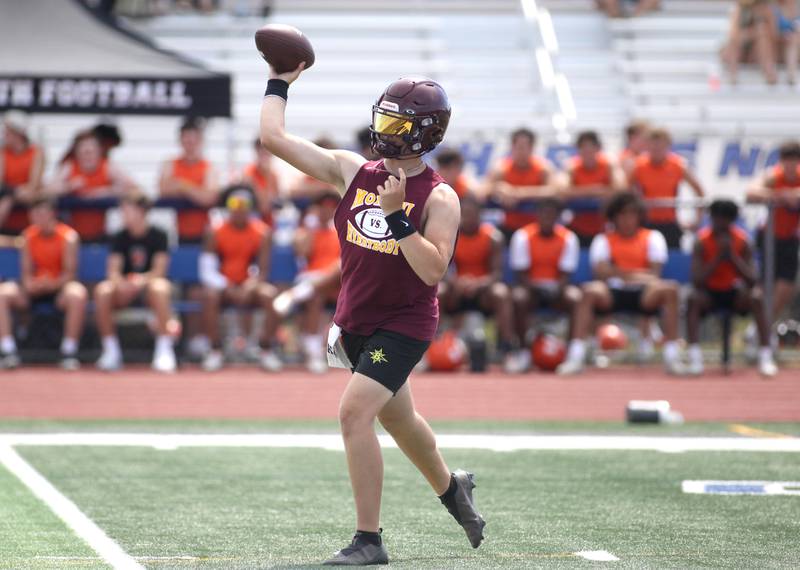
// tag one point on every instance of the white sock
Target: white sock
(671, 351)
(764, 353)
(312, 345)
(69, 346)
(8, 345)
(695, 354)
(111, 344)
(163, 342)
(576, 350)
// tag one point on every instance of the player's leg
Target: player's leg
(496, 299)
(662, 295)
(72, 301)
(699, 303)
(212, 301)
(159, 300)
(263, 295)
(596, 297)
(312, 340)
(12, 298)
(570, 299)
(416, 439)
(752, 300)
(783, 293)
(107, 296)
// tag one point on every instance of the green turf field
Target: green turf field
(289, 508)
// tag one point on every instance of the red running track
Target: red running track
(249, 393)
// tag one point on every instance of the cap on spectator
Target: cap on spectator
(17, 121)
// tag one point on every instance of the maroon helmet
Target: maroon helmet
(409, 118)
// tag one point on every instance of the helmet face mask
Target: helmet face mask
(409, 118)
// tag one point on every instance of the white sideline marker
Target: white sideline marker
(67, 511)
(597, 555)
(742, 487)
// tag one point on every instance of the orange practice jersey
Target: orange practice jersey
(191, 223)
(545, 252)
(89, 223)
(461, 186)
(629, 253)
(324, 251)
(589, 223)
(659, 181)
(786, 221)
(238, 248)
(47, 250)
(473, 255)
(725, 275)
(533, 175)
(17, 171)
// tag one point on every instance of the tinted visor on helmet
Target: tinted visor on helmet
(388, 123)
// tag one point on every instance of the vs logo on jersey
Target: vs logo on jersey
(370, 230)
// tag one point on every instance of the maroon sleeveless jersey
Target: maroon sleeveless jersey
(379, 288)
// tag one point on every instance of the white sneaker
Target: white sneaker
(213, 361)
(517, 362)
(69, 363)
(646, 352)
(10, 361)
(695, 368)
(570, 368)
(317, 365)
(198, 346)
(109, 361)
(767, 367)
(675, 368)
(164, 361)
(270, 361)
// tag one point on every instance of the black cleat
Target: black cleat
(463, 509)
(360, 553)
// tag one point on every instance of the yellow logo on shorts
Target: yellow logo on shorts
(377, 356)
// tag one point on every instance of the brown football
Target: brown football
(284, 47)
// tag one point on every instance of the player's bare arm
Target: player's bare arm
(337, 167)
(428, 253)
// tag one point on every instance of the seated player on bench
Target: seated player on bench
(49, 267)
(232, 267)
(627, 262)
(544, 256)
(724, 277)
(475, 282)
(136, 270)
(316, 246)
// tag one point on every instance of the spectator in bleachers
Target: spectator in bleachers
(136, 270)
(475, 282)
(724, 277)
(750, 37)
(87, 174)
(636, 137)
(49, 271)
(658, 175)
(623, 8)
(520, 177)
(191, 177)
(261, 176)
(450, 166)
(21, 167)
(627, 262)
(781, 186)
(787, 23)
(590, 175)
(233, 267)
(316, 244)
(544, 256)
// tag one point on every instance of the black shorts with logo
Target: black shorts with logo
(385, 356)
(786, 258)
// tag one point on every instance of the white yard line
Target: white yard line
(332, 441)
(597, 555)
(82, 525)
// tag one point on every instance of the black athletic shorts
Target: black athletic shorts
(545, 297)
(628, 300)
(385, 356)
(469, 304)
(724, 300)
(786, 258)
(671, 231)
